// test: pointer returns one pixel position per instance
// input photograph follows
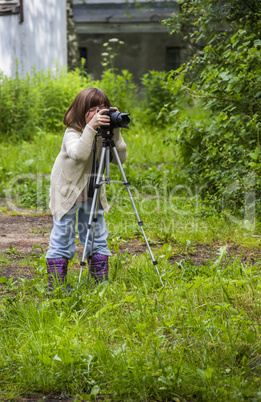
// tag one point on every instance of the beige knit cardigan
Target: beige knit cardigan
(72, 168)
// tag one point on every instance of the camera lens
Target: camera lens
(120, 119)
(117, 119)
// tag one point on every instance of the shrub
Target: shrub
(156, 94)
(221, 148)
(120, 89)
(39, 101)
(20, 106)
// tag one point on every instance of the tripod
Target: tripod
(108, 145)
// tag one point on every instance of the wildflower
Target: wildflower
(113, 40)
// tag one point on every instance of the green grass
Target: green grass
(195, 339)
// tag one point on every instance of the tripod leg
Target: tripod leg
(93, 208)
(107, 163)
(93, 236)
(127, 185)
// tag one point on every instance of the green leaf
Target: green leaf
(56, 357)
(95, 390)
(225, 76)
(29, 162)
(256, 154)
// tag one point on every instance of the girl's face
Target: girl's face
(89, 115)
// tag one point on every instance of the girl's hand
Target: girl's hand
(98, 119)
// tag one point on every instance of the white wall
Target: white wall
(40, 41)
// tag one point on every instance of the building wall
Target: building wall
(140, 53)
(147, 44)
(39, 41)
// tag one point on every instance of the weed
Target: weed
(12, 250)
(132, 339)
(43, 231)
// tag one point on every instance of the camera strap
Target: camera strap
(94, 169)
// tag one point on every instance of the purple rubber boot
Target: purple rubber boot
(57, 271)
(99, 267)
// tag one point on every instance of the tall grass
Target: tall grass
(196, 338)
(38, 101)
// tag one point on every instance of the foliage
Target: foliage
(120, 89)
(155, 94)
(196, 338)
(210, 20)
(38, 102)
(221, 150)
(111, 52)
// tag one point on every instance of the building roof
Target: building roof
(95, 15)
(123, 12)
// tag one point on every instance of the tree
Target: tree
(221, 147)
(72, 40)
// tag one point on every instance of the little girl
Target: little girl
(70, 182)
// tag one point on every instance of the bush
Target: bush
(156, 94)
(38, 101)
(120, 89)
(220, 149)
(20, 107)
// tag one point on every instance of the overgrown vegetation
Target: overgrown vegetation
(221, 148)
(198, 337)
(32, 110)
(38, 102)
(132, 340)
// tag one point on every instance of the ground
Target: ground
(23, 234)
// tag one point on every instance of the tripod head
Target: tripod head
(106, 132)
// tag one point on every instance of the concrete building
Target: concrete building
(147, 44)
(32, 35)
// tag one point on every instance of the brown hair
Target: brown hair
(84, 101)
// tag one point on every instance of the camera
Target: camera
(117, 119)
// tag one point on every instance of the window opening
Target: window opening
(8, 7)
(84, 55)
(172, 58)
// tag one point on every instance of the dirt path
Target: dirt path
(24, 231)
(21, 234)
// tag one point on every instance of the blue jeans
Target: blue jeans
(63, 232)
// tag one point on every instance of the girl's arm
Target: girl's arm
(79, 147)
